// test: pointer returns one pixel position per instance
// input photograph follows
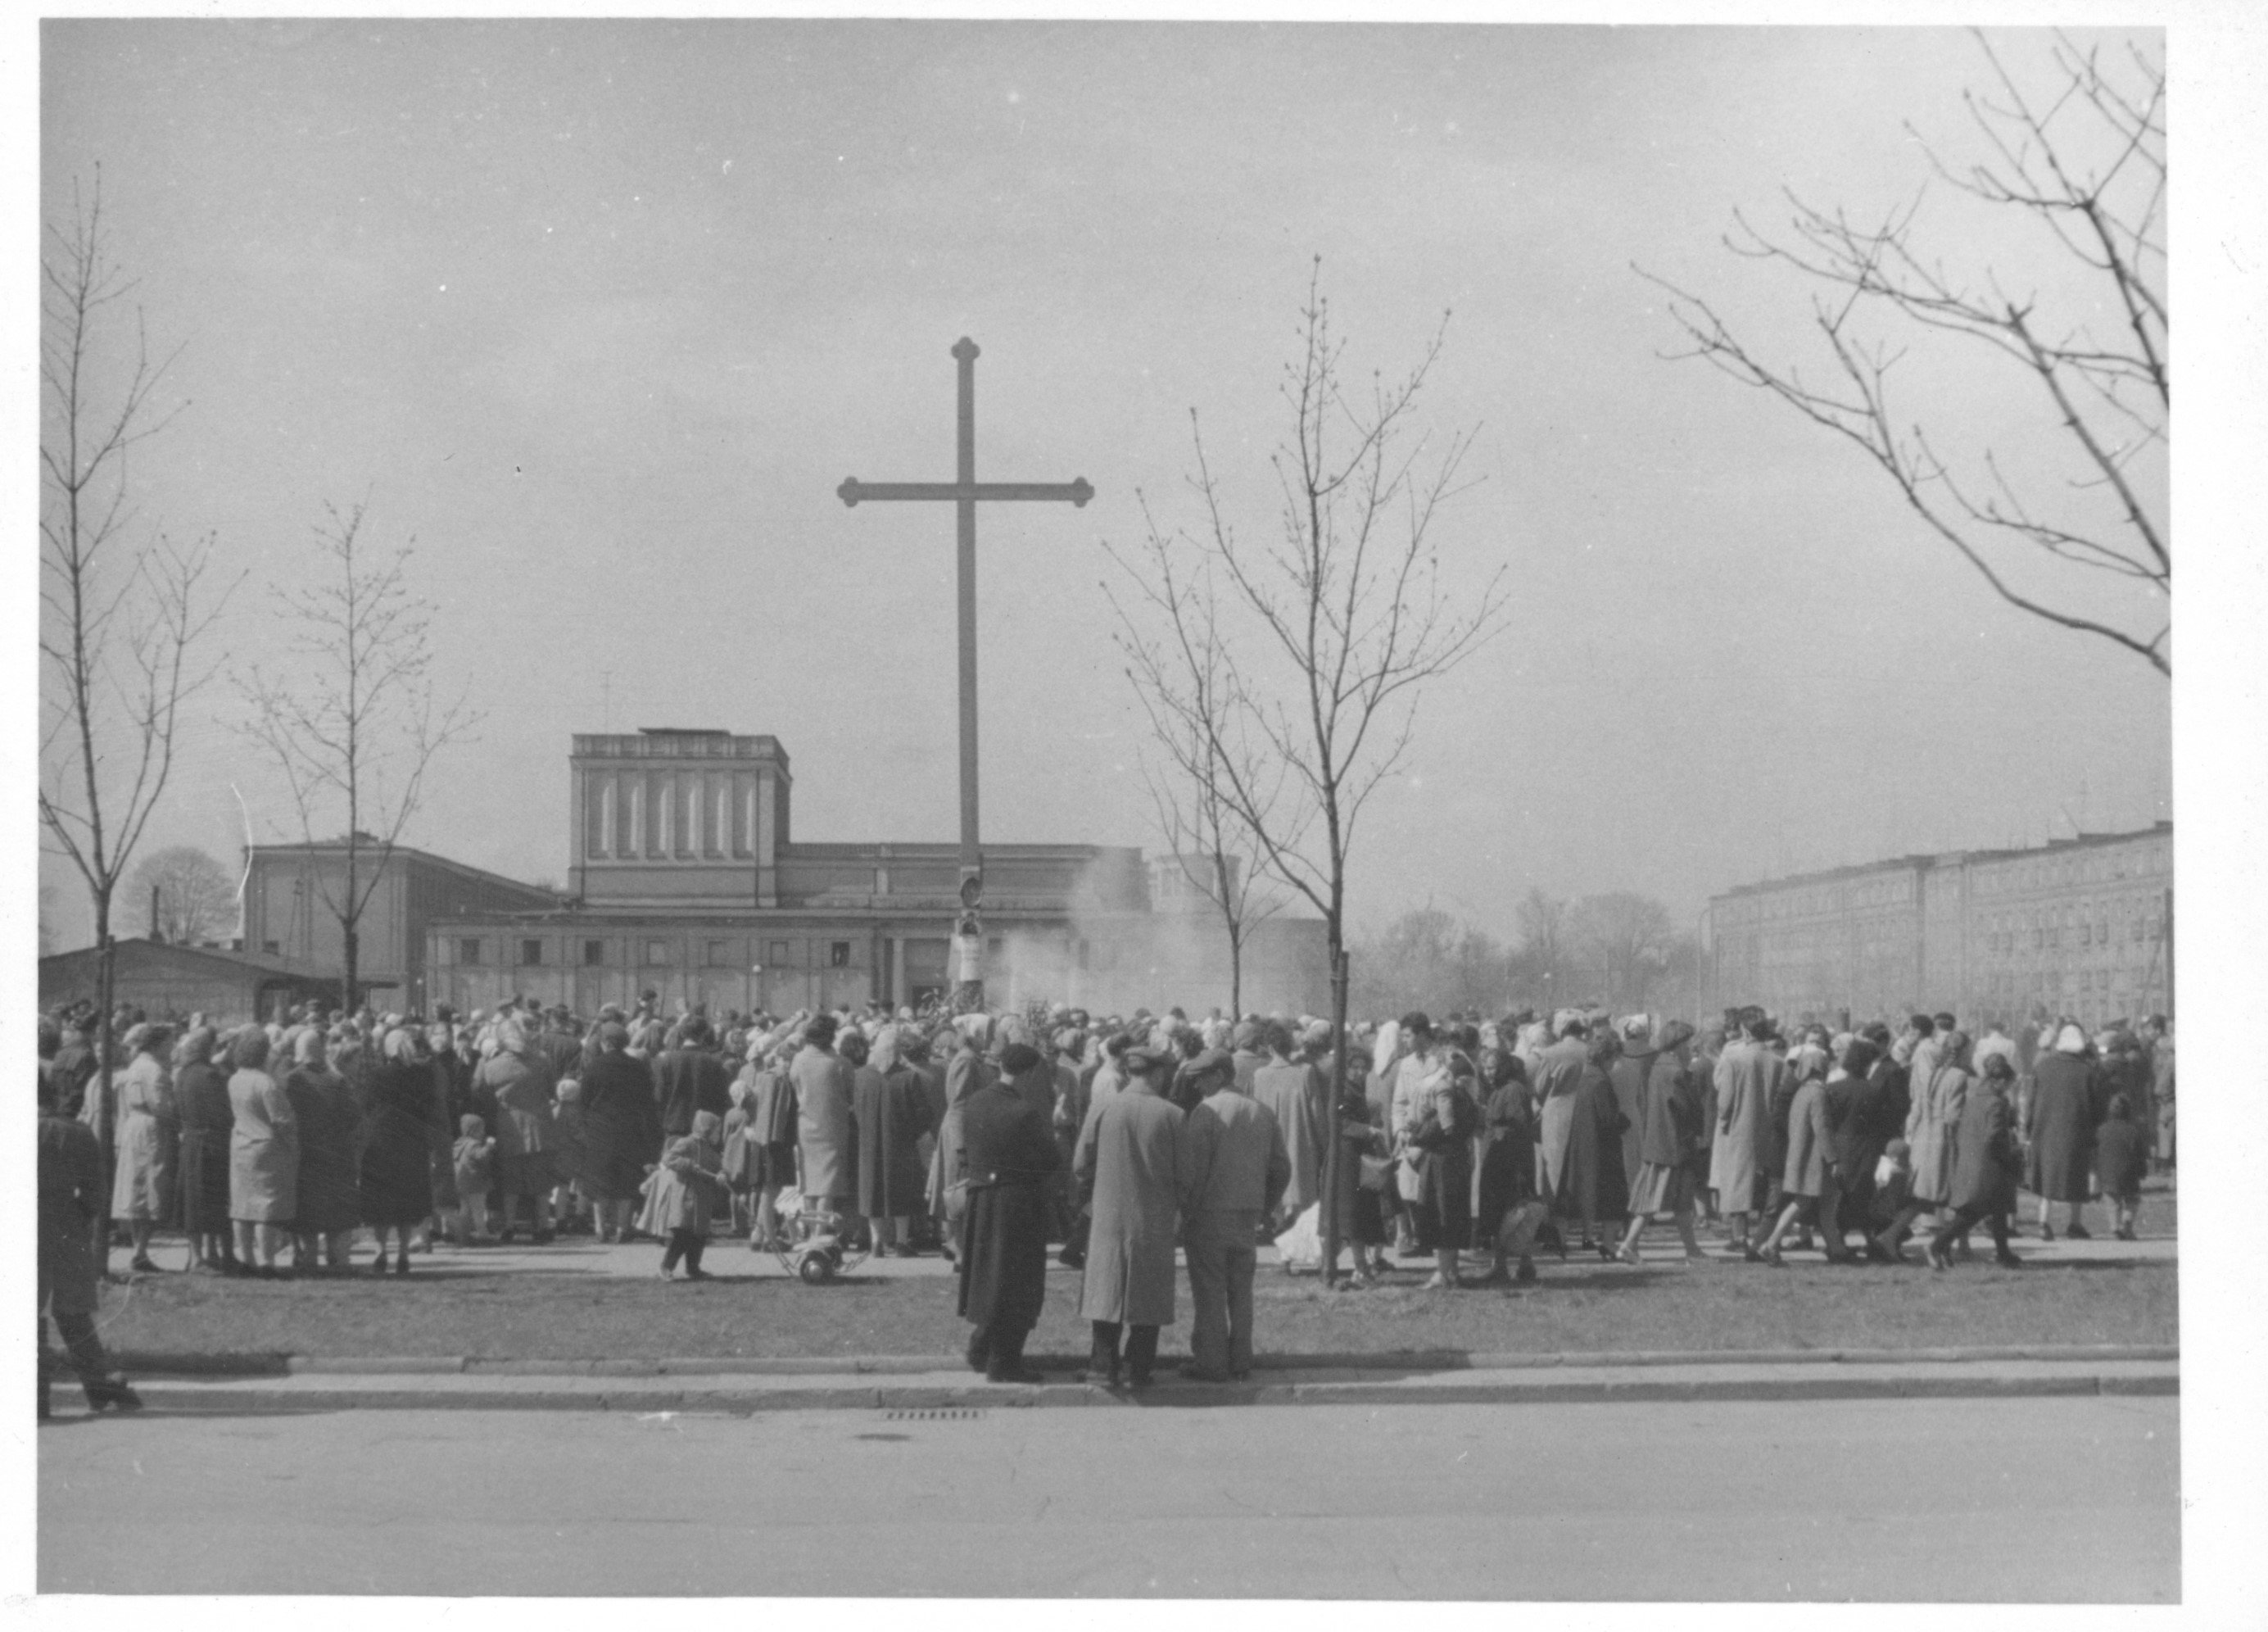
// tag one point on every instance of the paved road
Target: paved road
(2042, 1500)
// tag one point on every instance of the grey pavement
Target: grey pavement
(1949, 1500)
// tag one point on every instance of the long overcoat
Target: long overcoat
(146, 1137)
(2062, 1127)
(1558, 1075)
(1507, 1161)
(1809, 1146)
(891, 1113)
(824, 1129)
(1296, 1092)
(263, 1151)
(965, 1073)
(1009, 1152)
(1984, 1157)
(1632, 1072)
(687, 1081)
(621, 1127)
(71, 1194)
(1673, 1131)
(1125, 1162)
(1746, 1072)
(396, 1171)
(329, 1198)
(1593, 1187)
(201, 1094)
(1931, 1124)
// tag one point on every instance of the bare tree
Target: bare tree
(195, 895)
(120, 616)
(1180, 676)
(1429, 959)
(1341, 618)
(354, 729)
(1543, 962)
(1626, 939)
(2086, 163)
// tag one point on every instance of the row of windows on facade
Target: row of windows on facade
(664, 954)
(662, 815)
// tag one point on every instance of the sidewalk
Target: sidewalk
(929, 1383)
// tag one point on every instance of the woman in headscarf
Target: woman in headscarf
(142, 1185)
(1434, 1091)
(1508, 1211)
(1809, 1179)
(396, 1172)
(889, 1115)
(2060, 1124)
(330, 1202)
(621, 1130)
(201, 1097)
(520, 1078)
(1985, 1162)
(263, 1154)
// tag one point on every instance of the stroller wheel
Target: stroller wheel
(816, 1269)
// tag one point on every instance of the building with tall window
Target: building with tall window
(2081, 926)
(686, 881)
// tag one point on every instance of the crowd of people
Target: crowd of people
(1114, 1141)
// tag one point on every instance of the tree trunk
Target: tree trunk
(347, 986)
(1334, 1156)
(105, 1125)
(1236, 970)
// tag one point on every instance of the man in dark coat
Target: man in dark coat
(71, 1192)
(1008, 1154)
(890, 1113)
(1865, 1111)
(689, 1079)
(621, 1130)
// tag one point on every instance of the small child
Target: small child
(475, 1156)
(681, 1192)
(2120, 1158)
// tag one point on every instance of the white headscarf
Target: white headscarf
(2071, 1040)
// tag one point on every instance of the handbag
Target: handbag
(1376, 1172)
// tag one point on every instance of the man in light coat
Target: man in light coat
(1230, 1170)
(1747, 1074)
(1126, 1166)
(1294, 1091)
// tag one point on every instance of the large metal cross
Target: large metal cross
(965, 491)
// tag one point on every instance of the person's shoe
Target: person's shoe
(1498, 1276)
(2124, 1232)
(1438, 1282)
(1197, 1373)
(698, 1274)
(543, 1237)
(1629, 1255)
(1017, 1373)
(1748, 1254)
(1140, 1379)
(402, 1263)
(112, 1392)
(1939, 1258)
(2079, 1232)
(2008, 1260)
(143, 1262)
(1769, 1255)
(1071, 1259)
(1882, 1251)
(206, 1266)
(2047, 1232)
(669, 1274)
(1525, 1275)
(379, 1269)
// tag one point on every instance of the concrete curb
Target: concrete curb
(1537, 1386)
(157, 1365)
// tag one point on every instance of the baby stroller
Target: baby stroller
(819, 1245)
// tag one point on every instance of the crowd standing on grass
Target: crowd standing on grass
(1118, 1141)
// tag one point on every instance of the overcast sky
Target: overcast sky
(602, 313)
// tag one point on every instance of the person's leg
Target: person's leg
(81, 1342)
(1686, 1236)
(1831, 1222)
(1102, 1353)
(1892, 1239)
(1737, 1244)
(671, 1252)
(768, 1223)
(1941, 1244)
(1141, 1354)
(1628, 1251)
(696, 1243)
(1208, 1300)
(1243, 1259)
(1770, 1249)
(140, 1229)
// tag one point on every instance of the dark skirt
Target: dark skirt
(1004, 1256)
(1661, 1190)
(771, 1165)
(528, 1174)
(397, 1173)
(204, 1181)
(1442, 1215)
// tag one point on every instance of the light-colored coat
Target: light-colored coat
(1930, 1127)
(1231, 1167)
(1296, 1095)
(147, 1132)
(1129, 1151)
(1746, 1074)
(263, 1151)
(823, 1129)
(1808, 1151)
(1558, 1075)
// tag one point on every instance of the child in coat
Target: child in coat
(680, 1193)
(474, 1155)
(2120, 1158)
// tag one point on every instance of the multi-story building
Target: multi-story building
(2080, 926)
(685, 881)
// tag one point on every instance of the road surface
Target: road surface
(2027, 1500)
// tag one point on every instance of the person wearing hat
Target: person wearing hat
(1230, 1169)
(142, 1188)
(1249, 1052)
(825, 1133)
(1125, 1164)
(1631, 1070)
(1746, 1075)
(1007, 1154)
(1296, 1095)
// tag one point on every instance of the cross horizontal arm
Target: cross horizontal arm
(853, 490)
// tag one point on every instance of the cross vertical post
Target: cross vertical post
(965, 491)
